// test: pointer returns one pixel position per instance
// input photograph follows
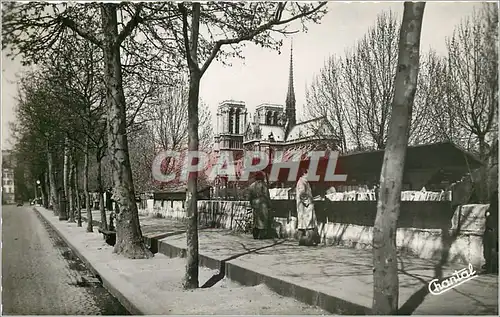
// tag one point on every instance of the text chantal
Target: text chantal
(459, 277)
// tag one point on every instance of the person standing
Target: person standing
(109, 199)
(306, 215)
(260, 201)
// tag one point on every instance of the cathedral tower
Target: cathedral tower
(231, 124)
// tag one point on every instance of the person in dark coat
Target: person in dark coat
(260, 201)
(490, 236)
(109, 200)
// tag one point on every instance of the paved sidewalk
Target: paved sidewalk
(337, 279)
(344, 275)
(153, 286)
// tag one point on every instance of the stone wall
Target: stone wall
(222, 214)
(427, 229)
(167, 208)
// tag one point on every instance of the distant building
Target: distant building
(273, 128)
(8, 188)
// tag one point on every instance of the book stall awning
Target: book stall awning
(445, 155)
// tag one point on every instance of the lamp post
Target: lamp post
(36, 190)
(270, 162)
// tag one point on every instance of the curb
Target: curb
(152, 241)
(249, 277)
(131, 308)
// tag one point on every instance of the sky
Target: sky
(262, 77)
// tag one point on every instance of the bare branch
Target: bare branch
(80, 31)
(252, 33)
(132, 23)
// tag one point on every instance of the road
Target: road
(42, 276)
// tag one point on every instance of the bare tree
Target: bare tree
(31, 152)
(170, 120)
(66, 168)
(39, 119)
(71, 187)
(206, 131)
(142, 152)
(325, 98)
(385, 262)
(354, 92)
(223, 25)
(370, 71)
(432, 120)
(473, 80)
(78, 71)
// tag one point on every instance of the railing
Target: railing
(211, 209)
(279, 193)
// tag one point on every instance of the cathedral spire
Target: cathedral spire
(290, 97)
(291, 93)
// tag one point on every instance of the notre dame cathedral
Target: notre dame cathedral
(273, 127)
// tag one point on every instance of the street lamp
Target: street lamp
(36, 192)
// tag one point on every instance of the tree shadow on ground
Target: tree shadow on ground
(448, 237)
(222, 268)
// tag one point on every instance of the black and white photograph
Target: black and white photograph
(249, 158)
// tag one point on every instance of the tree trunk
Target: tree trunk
(129, 240)
(492, 173)
(71, 191)
(100, 188)
(46, 185)
(43, 189)
(52, 181)
(482, 182)
(66, 168)
(191, 277)
(78, 202)
(385, 265)
(36, 191)
(86, 185)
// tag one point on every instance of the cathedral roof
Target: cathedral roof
(317, 127)
(314, 129)
(272, 106)
(277, 131)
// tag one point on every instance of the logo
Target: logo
(459, 277)
(169, 166)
